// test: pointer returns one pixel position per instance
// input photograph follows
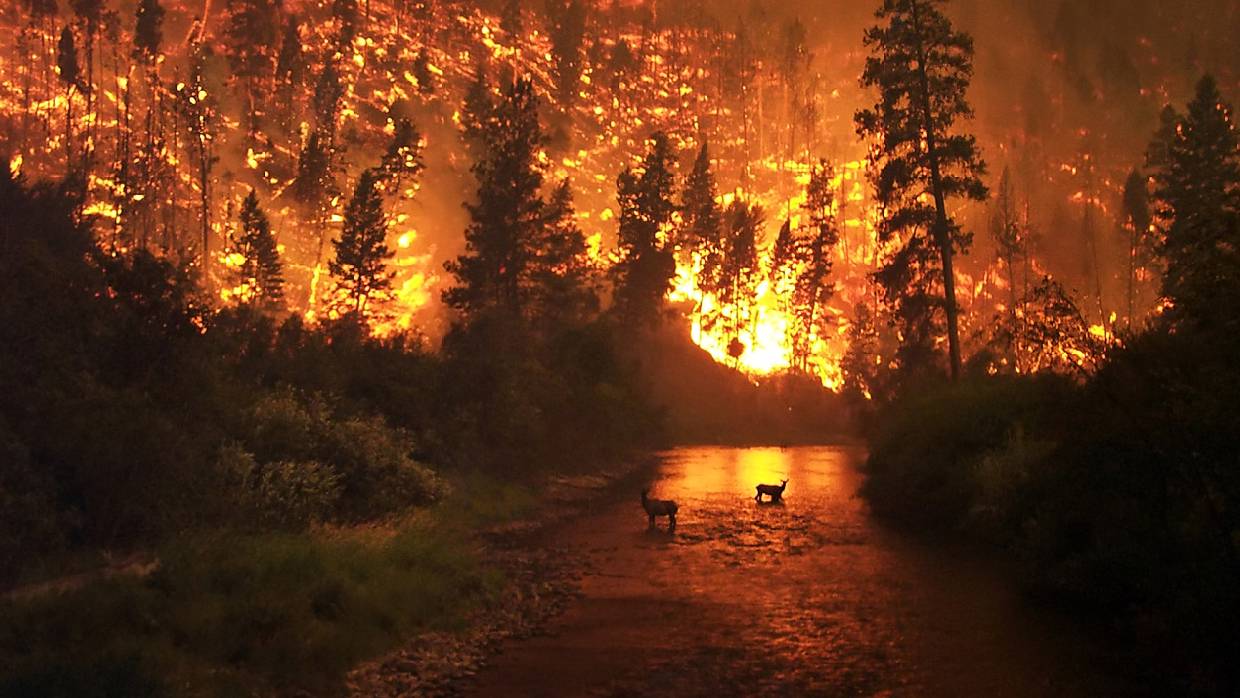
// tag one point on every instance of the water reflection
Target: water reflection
(805, 597)
(708, 472)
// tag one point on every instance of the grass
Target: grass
(233, 614)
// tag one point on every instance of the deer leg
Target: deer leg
(671, 522)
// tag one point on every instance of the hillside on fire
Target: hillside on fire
(356, 346)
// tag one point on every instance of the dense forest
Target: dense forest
(270, 268)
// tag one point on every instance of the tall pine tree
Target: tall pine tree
(647, 263)
(362, 253)
(1196, 171)
(921, 67)
(701, 229)
(507, 217)
(261, 271)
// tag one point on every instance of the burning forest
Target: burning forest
(304, 275)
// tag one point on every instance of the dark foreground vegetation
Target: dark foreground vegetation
(1117, 489)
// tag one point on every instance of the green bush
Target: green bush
(282, 494)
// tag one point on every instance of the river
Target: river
(808, 597)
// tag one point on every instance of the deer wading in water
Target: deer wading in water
(775, 492)
(660, 507)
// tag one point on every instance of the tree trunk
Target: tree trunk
(942, 235)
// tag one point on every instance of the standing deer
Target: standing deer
(660, 507)
(776, 492)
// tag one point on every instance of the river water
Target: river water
(807, 597)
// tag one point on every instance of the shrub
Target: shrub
(282, 494)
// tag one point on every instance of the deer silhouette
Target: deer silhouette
(660, 507)
(775, 492)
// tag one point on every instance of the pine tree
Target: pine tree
(314, 187)
(90, 14)
(1005, 232)
(147, 43)
(701, 230)
(362, 253)
(1198, 191)
(250, 35)
(507, 217)
(647, 263)
(568, 26)
(921, 68)
(812, 288)
(422, 72)
(563, 277)
(261, 273)
(403, 158)
(1137, 220)
(739, 270)
(199, 108)
(71, 76)
(478, 111)
(345, 17)
(326, 102)
(290, 71)
(148, 31)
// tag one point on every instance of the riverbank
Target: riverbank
(378, 609)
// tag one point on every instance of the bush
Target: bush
(282, 494)
(927, 450)
(371, 474)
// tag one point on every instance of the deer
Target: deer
(660, 507)
(775, 492)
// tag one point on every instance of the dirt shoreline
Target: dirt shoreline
(541, 582)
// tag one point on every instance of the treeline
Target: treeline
(1116, 486)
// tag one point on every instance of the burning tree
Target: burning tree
(921, 67)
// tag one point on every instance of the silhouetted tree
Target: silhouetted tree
(921, 67)
(362, 253)
(812, 288)
(261, 272)
(199, 109)
(647, 264)
(508, 215)
(71, 76)
(510, 18)
(562, 278)
(1005, 232)
(568, 26)
(314, 187)
(250, 35)
(1197, 190)
(739, 270)
(403, 158)
(701, 230)
(148, 30)
(1137, 221)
